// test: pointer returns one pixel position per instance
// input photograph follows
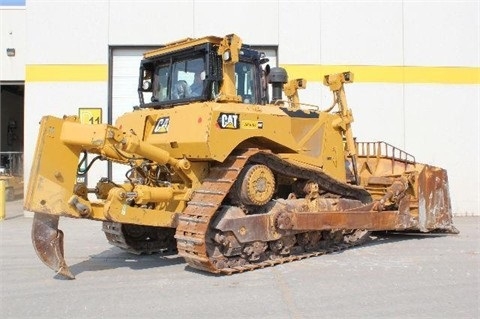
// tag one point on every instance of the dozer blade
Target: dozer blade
(434, 205)
(48, 243)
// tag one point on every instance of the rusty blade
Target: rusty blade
(434, 204)
(47, 240)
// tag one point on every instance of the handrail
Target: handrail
(383, 150)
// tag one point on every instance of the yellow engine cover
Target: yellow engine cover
(211, 131)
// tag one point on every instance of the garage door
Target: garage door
(125, 66)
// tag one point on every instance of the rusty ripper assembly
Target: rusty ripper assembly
(231, 178)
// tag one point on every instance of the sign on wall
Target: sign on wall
(90, 115)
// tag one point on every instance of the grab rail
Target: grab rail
(383, 150)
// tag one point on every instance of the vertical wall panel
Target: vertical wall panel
(67, 32)
(12, 36)
(255, 21)
(441, 33)
(300, 33)
(362, 33)
(146, 22)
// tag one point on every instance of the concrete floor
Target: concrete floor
(395, 277)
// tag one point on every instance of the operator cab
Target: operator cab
(195, 74)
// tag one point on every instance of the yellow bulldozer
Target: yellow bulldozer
(225, 166)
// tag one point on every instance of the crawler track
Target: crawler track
(140, 239)
(194, 239)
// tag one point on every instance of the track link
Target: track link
(194, 223)
(283, 260)
(138, 239)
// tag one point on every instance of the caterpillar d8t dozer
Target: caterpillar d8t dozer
(227, 176)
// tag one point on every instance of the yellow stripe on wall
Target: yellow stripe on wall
(388, 74)
(311, 72)
(66, 72)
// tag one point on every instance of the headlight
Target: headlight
(147, 85)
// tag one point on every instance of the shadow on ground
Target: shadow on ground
(116, 258)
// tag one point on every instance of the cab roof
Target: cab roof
(180, 45)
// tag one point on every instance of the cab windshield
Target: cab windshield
(179, 80)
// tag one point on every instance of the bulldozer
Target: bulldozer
(224, 165)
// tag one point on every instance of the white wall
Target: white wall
(442, 33)
(438, 123)
(12, 35)
(147, 22)
(67, 32)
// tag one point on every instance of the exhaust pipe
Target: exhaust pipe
(47, 240)
(277, 77)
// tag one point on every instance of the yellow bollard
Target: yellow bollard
(2, 200)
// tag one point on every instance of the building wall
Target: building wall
(416, 64)
(12, 35)
(12, 74)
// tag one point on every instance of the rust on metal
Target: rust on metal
(48, 243)
(434, 205)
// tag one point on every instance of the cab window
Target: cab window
(244, 81)
(179, 80)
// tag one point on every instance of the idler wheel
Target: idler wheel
(256, 185)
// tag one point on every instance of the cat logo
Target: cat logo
(229, 121)
(162, 125)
